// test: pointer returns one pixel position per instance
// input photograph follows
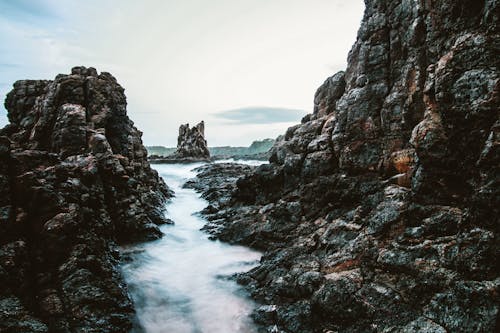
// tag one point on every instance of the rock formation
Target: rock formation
(258, 150)
(380, 211)
(74, 182)
(191, 142)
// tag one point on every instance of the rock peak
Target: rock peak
(191, 142)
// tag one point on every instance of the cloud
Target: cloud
(261, 115)
(241, 52)
(23, 8)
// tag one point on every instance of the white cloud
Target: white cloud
(183, 60)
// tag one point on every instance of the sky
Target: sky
(248, 68)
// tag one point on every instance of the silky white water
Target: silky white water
(180, 283)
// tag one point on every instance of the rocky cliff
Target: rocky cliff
(74, 182)
(380, 211)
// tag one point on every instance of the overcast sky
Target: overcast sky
(249, 68)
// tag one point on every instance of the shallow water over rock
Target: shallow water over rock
(181, 283)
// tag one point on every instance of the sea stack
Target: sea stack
(191, 143)
(74, 182)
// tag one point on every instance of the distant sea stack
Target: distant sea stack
(380, 212)
(191, 142)
(74, 182)
(191, 146)
(258, 150)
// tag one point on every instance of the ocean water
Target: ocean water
(181, 283)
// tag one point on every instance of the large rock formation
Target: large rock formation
(191, 142)
(74, 182)
(380, 211)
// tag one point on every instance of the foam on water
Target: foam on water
(180, 283)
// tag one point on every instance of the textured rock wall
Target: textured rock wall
(74, 182)
(380, 211)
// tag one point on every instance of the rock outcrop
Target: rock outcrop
(191, 146)
(74, 183)
(258, 150)
(380, 211)
(191, 142)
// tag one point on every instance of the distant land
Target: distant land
(257, 148)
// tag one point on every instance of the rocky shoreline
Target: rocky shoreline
(379, 212)
(174, 160)
(74, 183)
(258, 150)
(186, 160)
(335, 274)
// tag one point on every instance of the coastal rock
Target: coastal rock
(258, 150)
(191, 146)
(74, 183)
(191, 142)
(379, 212)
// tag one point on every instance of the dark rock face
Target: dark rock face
(191, 142)
(380, 211)
(74, 182)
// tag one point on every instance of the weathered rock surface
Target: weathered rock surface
(380, 211)
(74, 182)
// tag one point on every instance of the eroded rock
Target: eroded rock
(74, 182)
(379, 212)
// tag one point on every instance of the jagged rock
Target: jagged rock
(191, 142)
(74, 182)
(385, 197)
(327, 95)
(258, 150)
(191, 146)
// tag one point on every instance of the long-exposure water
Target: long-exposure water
(181, 283)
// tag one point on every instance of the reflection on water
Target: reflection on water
(180, 283)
